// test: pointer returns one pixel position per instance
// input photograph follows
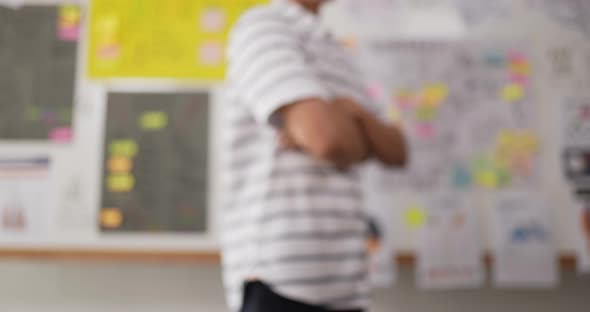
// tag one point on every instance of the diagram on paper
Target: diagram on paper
(466, 108)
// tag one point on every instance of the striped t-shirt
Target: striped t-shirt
(288, 220)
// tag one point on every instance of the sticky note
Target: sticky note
(426, 113)
(152, 121)
(349, 42)
(512, 93)
(125, 148)
(487, 178)
(210, 53)
(33, 113)
(517, 57)
(403, 99)
(415, 217)
(375, 91)
(108, 51)
(522, 68)
(461, 177)
(495, 58)
(69, 23)
(120, 164)
(425, 130)
(121, 183)
(61, 135)
(111, 218)
(213, 20)
(435, 94)
(394, 114)
(519, 79)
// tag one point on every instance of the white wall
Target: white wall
(73, 287)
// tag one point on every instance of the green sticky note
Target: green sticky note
(153, 121)
(123, 148)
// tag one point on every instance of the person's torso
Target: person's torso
(289, 220)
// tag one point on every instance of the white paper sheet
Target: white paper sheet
(524, 243)
(383, 272)
(24, 185)
(449, 251)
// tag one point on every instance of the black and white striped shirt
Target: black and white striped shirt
(288, 220)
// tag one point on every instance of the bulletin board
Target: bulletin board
(163, 39)
(38, 57)
(95, 171)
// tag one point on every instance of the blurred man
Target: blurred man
(298, 123)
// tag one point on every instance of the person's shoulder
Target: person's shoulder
(261, 14)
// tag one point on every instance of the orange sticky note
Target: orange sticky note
(111, 218)
(120, 164)
(435, 94)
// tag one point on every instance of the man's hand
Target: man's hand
(386, 142)
(323, 131)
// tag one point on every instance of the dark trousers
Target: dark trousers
(259, 297)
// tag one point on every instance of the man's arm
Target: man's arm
(385, 142)
(324, 131)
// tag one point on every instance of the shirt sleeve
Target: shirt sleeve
(267, 67)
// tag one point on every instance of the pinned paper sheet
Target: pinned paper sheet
(524, 242)
(180, 39)
(513, 93)
(152, 121)
(448, 249)
(125, 148)
(415, 217)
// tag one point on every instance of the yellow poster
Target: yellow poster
(161, 38)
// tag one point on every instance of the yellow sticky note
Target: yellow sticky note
(70, 14)
(120, 164)
(121, 183)
(415, 217)
(111, 218)
(123, 148)
(153, 121)
(512, 93)
(488, 179)
(435, 94)
(394, 114)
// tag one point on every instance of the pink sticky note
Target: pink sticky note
(68, 33)
(61, 135)
(425, 130)
(520, 79)
(211, 53)
(375, 91)
(517, 57)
